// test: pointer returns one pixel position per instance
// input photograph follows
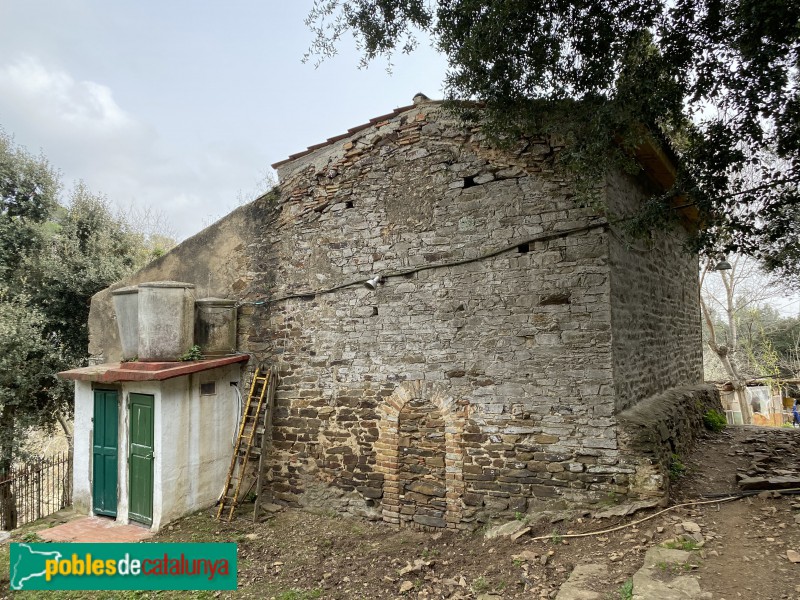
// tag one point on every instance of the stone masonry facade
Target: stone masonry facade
(486, 375)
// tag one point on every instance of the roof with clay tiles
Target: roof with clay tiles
(356, 129)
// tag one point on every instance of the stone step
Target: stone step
(582, 581)
(665, 575)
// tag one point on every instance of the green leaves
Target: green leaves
(380, 26)
(28, 184)
(28, 386)
(720, 79)
(53, 259)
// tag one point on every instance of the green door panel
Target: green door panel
(105, 453)
(141, 458)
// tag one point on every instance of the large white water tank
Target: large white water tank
(166, 320)
(126, 306)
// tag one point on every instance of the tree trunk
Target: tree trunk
(740, 393)
(8, 502)
(68, 433)
(724, 357)
(739, 387)
(66, 479)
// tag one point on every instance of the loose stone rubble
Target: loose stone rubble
(775, 462)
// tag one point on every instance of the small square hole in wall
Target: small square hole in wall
(524, 248)
(348, 204)
(208, 389)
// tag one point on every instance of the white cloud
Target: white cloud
(86, 134)
(57, 100)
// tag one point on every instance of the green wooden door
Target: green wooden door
(141, 458)
(104, 453)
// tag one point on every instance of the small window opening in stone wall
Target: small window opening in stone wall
(524, 248)
(554, 299)
(421, 463)
(348, 204)
(469, 182)
(208, 389)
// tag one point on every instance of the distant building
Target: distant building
(770, 402)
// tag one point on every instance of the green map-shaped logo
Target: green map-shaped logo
(28, 564)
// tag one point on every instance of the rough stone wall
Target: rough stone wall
(659, 429)
(655, 311)
(520, 341)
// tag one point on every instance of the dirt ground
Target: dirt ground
(742, 552)
(747, 540)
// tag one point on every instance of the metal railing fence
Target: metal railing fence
(35, 489)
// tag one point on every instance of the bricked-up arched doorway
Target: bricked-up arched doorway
(420, 455)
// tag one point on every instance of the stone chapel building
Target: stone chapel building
(513, 350)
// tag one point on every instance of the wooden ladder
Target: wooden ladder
(259, 400)
(266, 438)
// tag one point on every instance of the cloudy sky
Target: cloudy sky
(181, 106)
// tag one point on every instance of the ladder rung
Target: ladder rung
(261, 395)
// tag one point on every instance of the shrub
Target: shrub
(715, 421)
(193, 353)
(626, 590)
(676, 468)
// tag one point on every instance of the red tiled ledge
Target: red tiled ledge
(147, 371)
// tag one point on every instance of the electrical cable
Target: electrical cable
(542, 238)
(236, 426)
(612, 529)
(238, 414)
(720, 500)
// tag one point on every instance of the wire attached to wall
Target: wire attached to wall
(394, 274)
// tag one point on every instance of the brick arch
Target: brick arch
(388, 447)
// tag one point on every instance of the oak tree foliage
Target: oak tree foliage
(56, 252)
(717, 80)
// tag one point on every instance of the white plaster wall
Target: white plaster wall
(82, 458)
(194, 433)
(192, 443)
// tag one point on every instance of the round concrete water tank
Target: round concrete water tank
(166, 320)
(215, 326)
(126, 306)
